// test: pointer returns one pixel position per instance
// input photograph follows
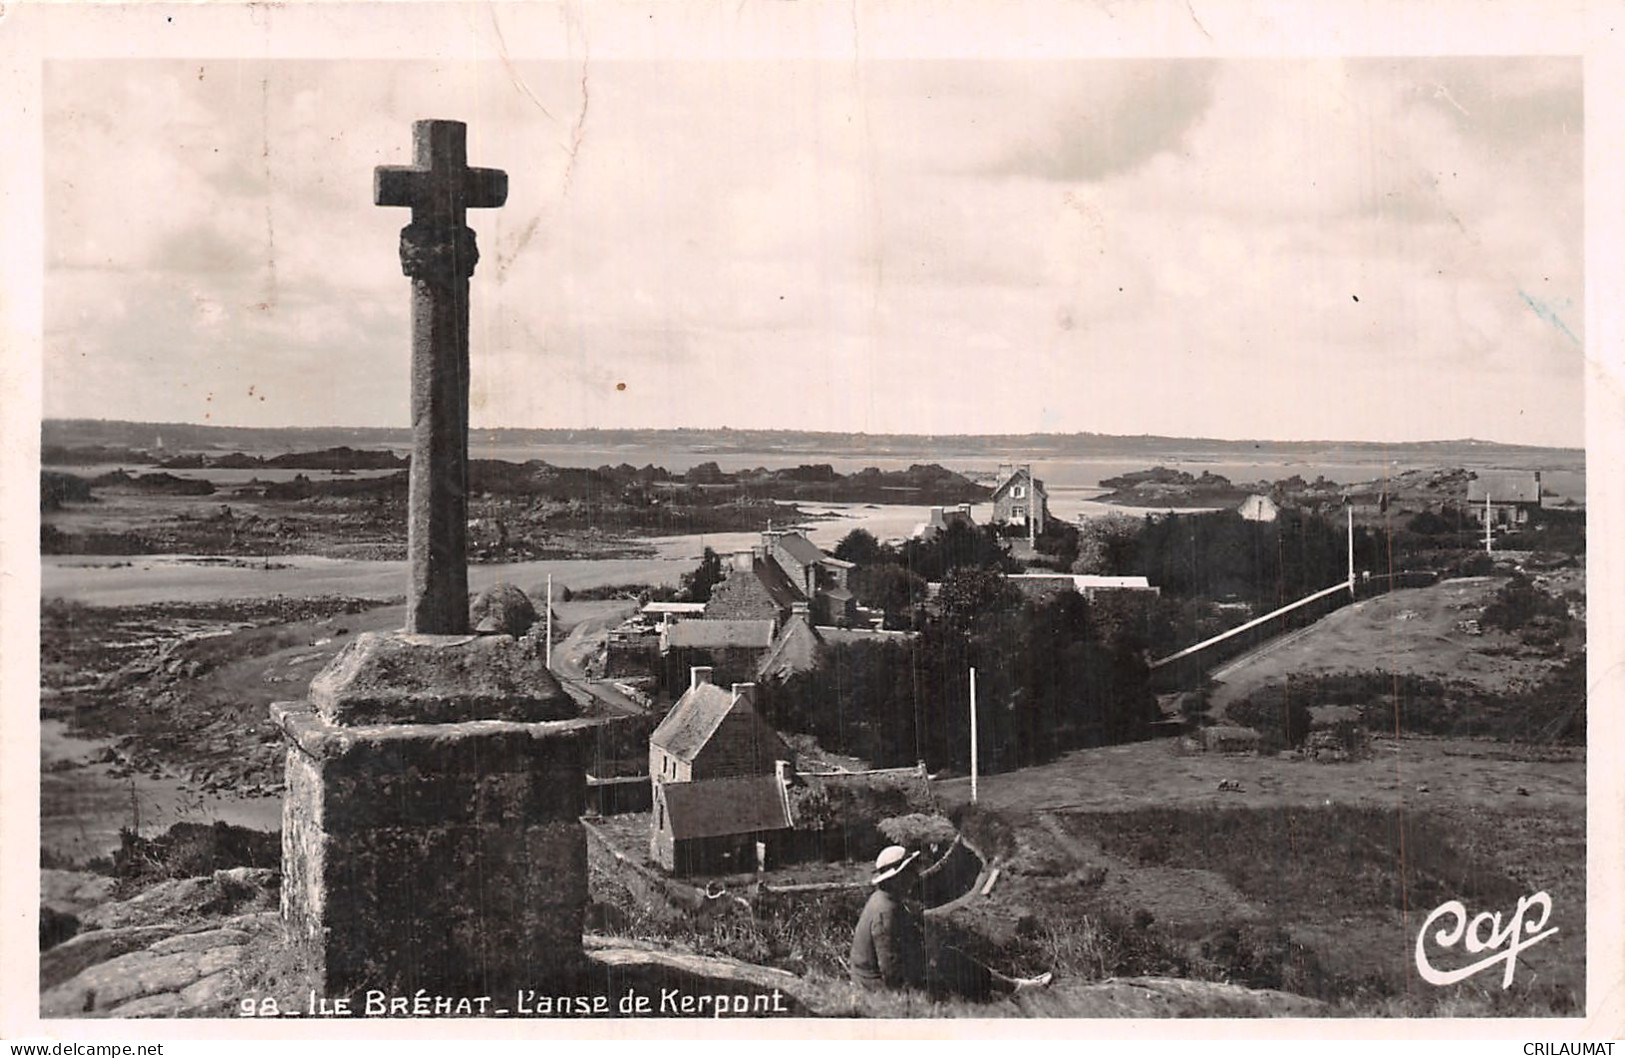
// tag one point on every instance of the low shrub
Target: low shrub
(1279, 713)
(188, 850)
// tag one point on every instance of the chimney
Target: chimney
(744, 561)
(964, 508)
(782, 772)
(936, 514)
(801, 608)
(697, 675)
(746, 691)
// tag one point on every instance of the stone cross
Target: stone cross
(438, 253)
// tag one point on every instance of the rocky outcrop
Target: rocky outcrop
(177, 949)
(501, 609)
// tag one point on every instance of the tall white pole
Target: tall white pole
(549, 621)
(973, 760)
(1489, 541)
(1351, 550)
(1032, 514)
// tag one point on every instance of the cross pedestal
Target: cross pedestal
(431, 834)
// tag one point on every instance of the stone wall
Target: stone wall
(632, 658)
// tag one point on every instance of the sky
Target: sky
(1363, 249)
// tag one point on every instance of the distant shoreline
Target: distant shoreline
(789, 443)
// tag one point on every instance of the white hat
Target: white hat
(892, 861)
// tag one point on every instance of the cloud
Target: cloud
(935, 246)
(1109, 118)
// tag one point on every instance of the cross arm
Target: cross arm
(398, 185)
(485, 188)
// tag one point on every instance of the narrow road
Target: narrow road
(604, 692)
(585, 639)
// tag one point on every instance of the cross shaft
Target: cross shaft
(438, 252)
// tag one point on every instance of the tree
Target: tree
(1107, 545)
(1059, 540)
(860, 548)
(891, 589)
(958, 545)
(972, 597)
(697, 585)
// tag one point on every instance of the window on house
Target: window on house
(1018, 513)
(1018, 492)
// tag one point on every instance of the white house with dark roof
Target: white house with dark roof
(1506, 496)
(1020, 498)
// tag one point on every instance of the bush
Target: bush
(918, 830)
(188, 850)
(1520, 603)
(1282, 717)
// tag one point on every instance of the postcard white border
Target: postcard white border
(36, 31)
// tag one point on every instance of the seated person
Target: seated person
(890, 949)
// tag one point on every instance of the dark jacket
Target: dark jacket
(888, 946)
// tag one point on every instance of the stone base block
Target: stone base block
(446, 857)
(400, 677)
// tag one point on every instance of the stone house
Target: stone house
(798, 644)
(714, 733)
(795, 649)
(732, 649)
(718, 825)
(1512, 495)
(754, 589)
(1020, 499)
(786, 568)
(713, 766)
(821, 578)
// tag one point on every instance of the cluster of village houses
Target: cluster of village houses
(725, 791)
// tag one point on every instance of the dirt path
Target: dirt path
(588, 623)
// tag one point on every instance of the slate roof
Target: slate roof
(697, 716)
(1505, 487)
(1021, 476)
(716, 634)
(796, 650)
(801, 549)
(693, 720)
(714, 808)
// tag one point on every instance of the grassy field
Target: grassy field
(1412, 632)
(1315, 878)
(1281, 873)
